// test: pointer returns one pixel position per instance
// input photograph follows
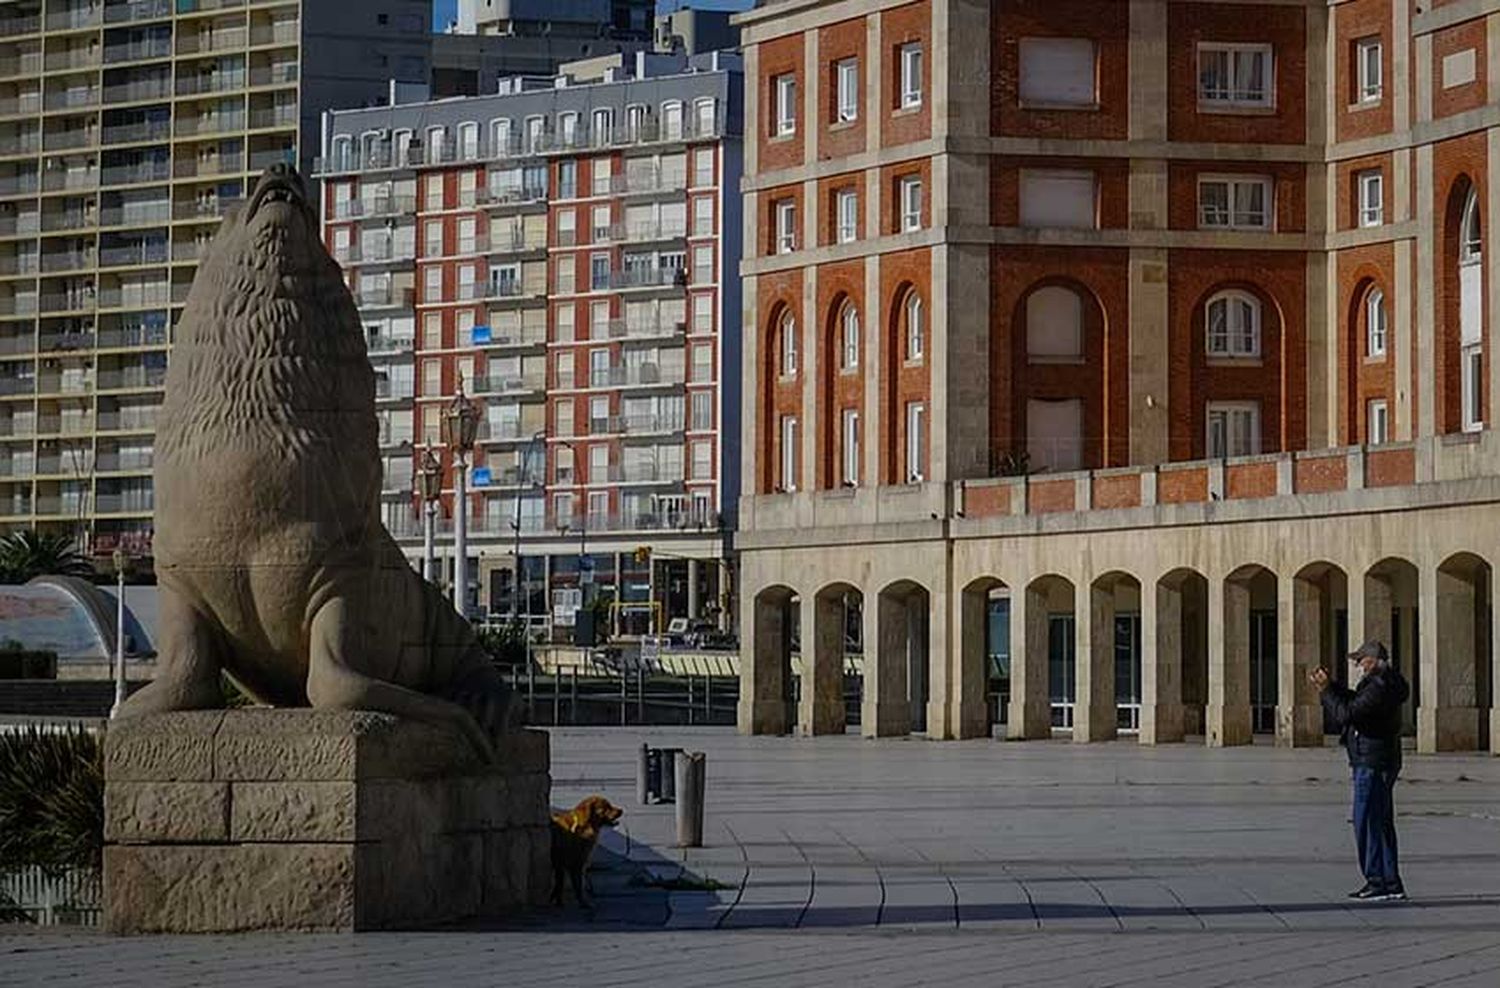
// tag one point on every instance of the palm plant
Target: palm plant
(28, 554)
(51, 800)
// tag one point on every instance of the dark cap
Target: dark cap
(1371, 649)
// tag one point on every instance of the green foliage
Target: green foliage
(1015, 463)
(51, 800)
(506, 643)
(28, 554)
(234, 697)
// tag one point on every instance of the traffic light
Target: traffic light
(642, 554)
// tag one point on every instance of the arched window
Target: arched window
(788, 345)
(1375, 323)
(1472, 248)
(343, 153)
(849, 339)
(916, 331)
(1233, 325)
(1054, 324)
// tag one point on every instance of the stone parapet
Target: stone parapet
(262, 819)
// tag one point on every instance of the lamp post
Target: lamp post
(460, 429)
(536, 443)
(432, 492)
(121, 561)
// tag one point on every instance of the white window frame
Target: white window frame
(849, 341)
(849, 448)
(846, 205)
(911, 203)
(1231, 343)
(1471, 328)
(788, 453)
(1230, 97)
(1471, 365)
(785, 86)
(916, 441)
(1231, 217)
(911, 75)
(786, 226)
(916, 328)
(1377, 324)
(1377, 422)
(788, 358)
(1371, 183)
(1227, 410)
(846, 85)
(1369, 70)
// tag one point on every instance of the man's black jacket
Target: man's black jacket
(1369, 718)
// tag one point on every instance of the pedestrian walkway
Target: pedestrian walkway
(837, 861)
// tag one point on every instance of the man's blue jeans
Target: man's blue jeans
(1375, 825)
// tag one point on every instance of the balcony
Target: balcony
(211, 41)
(207, 6)
(130, 255)
(501, 385)
(212, 82)
(72, 58)
(385, 295)
(136, 297)
(284, 74)
(374, 252)
(210, 123)
(69, 140)
(204, 209)
(138, 133)
(157, 47)
(501, 288)
(10, 386)
(27, 103)
(641, 425)
(645, 473)
(124, 462)
(648, 278)
(279, 117)
(261, 160)
(133, 336)
(74, 301)
(138, 91)
(518, 336)
(60, 507)
(132, 379)
(282, 33)
(20, 224)
(13, 27)
(512, 241)
(27, 64)
(387, 390)
(648, 182)
(18, 185)
(63, 384)
(137, 10)
(652, 231)
(18, 305)
(381, 206)
(74, 17)
(629, 329)
(135, 420)
(510, 195)
(136, 214)
(18, 264)
(11, 346)
(212, 166)
(72, 463)
(189, 251)
(72, 99)
(637, 375)
(155, 171)
(67, 261)
(134, 503)
(14, 467)
(60, 181)
(384, 345)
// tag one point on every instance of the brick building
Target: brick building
(1110, 365)
(557, 249)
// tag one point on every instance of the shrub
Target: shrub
(51, 800)
(505, 643)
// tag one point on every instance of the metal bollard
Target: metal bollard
(691, 773)
(642, 772)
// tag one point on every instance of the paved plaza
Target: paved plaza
(838, 861)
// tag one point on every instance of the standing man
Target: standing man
(1369, 723)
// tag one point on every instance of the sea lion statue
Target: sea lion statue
(271, 558)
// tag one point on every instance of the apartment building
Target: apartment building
(557, 251)
(1109, 366)
(127, 128)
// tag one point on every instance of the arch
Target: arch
(1384, 607)
(835, 652)
(1174, 671)
(1108, 682)
(894, 700)
(1060, 400)
(984, 642)
(841, 395)
(1368, 369)
(1458, 687)
(1312, 637)
(1232, 321)
(905, 401)
(1233, 410)
(1242, 670)
(767, 686)
(1462, 357)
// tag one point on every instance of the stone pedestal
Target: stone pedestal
(260, 819)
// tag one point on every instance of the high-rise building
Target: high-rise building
(1110, 366)
(126, 130)
(565, 251)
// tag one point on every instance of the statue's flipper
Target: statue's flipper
(333, 683)
(188, 661)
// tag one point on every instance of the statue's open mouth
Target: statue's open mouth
(275, 188)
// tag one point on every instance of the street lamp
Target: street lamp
(121, 561)
(432, 492)
(536, 443)
(460, 429)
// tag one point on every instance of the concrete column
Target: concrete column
(1030, 714)
(1299, 608)
(1448, 719)
(885, 709)
(1492, 256)
(1494, 665)
(692, 589)
(1161, 663)
(764, 666)
(934, 617)
(821, 705)
(1094, 717)
(872, 363)
(1425, 335)
(1228, 708)
(724, 588)
(812, 369)
(969, 686)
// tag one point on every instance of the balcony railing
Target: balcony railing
(132, 378)
(191, 42)
(122, 462)
(210, 123)
(135, 503)
(202, 209)
(159, 46)
(18, 184)
(148, 130)
(22, 142)
(139, 90)
(72, 99)
(390, 344)
(381, 206)
(216, 82)
(648, 424)
(17, 385)
(154, 252)
(283, 33)
(73, 17)
(394, 390)
(268, 117)
(636, 375)
(136, 214)
(67, 261)
(648, 278)
(11, 26)
(155, 171)
(69, 140)
(261, 160)
(61, 180)
(516, 336)
(136, 297)
(138, 420)
(131, 336)
(137, 10)
(222, 164)
(385, 295)
(72, 58)
(25, 103)
(66, 342)
(503, 385)
(274, 75)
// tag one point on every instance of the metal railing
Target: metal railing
(350, 209)
(159, 46)
(148, 130)
(139, 90)
(149, 252)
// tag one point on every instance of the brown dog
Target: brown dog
(575, 834)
